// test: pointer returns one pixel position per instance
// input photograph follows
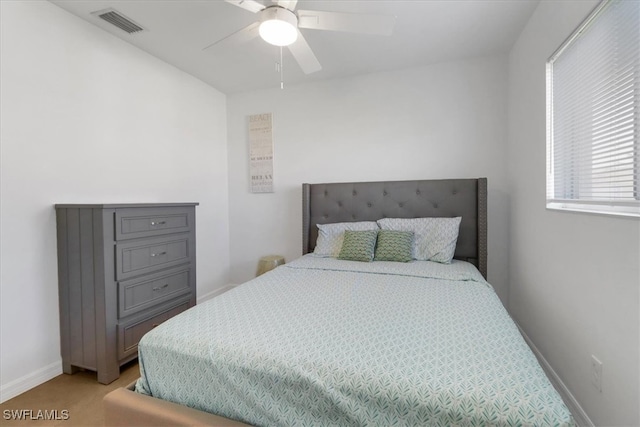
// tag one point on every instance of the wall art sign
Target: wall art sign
(261, 153)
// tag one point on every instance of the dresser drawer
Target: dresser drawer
(148, 222)
(129, 334)
(144, 292)
(140, 257)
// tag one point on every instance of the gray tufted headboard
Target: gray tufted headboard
(370, 201)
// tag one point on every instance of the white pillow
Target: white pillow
(331, 236)
(434, 238)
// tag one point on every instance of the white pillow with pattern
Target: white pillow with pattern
(331, 236)
(434, 238)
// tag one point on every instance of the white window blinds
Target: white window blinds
(593, 84)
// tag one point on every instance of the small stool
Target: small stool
(268, 263)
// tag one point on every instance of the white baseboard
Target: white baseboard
(579, 415)
(215, 293)
(29, 381)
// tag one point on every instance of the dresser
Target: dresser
(122, 270)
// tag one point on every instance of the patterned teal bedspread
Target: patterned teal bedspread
(326, 342)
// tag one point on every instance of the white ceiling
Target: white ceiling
(426, 32)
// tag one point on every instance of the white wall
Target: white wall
(574, 278)
(88, 118)
(441, 121)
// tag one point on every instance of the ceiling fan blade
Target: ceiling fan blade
(287, 4)
(250, 5)
(349, 22)
(249, 32)
(304, 55)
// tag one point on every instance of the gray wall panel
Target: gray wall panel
(88, 294)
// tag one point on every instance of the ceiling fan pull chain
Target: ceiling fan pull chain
(281, 70)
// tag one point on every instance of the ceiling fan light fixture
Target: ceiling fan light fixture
(278, 26)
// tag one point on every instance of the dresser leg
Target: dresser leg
(68, 368)
(108, 377)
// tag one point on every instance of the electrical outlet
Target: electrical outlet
(596, 373)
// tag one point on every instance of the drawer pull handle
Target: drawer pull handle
(158, 288)
(156, 223)
(158, 254)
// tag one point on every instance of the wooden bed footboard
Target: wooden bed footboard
(125, 407)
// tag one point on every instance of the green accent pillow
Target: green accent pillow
(358, 245)
(394, 246)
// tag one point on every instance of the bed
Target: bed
(325, 341)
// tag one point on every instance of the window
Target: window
(593, 114)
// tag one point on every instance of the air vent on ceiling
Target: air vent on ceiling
(117, 19)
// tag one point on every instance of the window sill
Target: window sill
(625, 211)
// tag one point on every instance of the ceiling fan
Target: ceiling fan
(280, 25)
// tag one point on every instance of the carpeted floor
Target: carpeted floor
(79, 394)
